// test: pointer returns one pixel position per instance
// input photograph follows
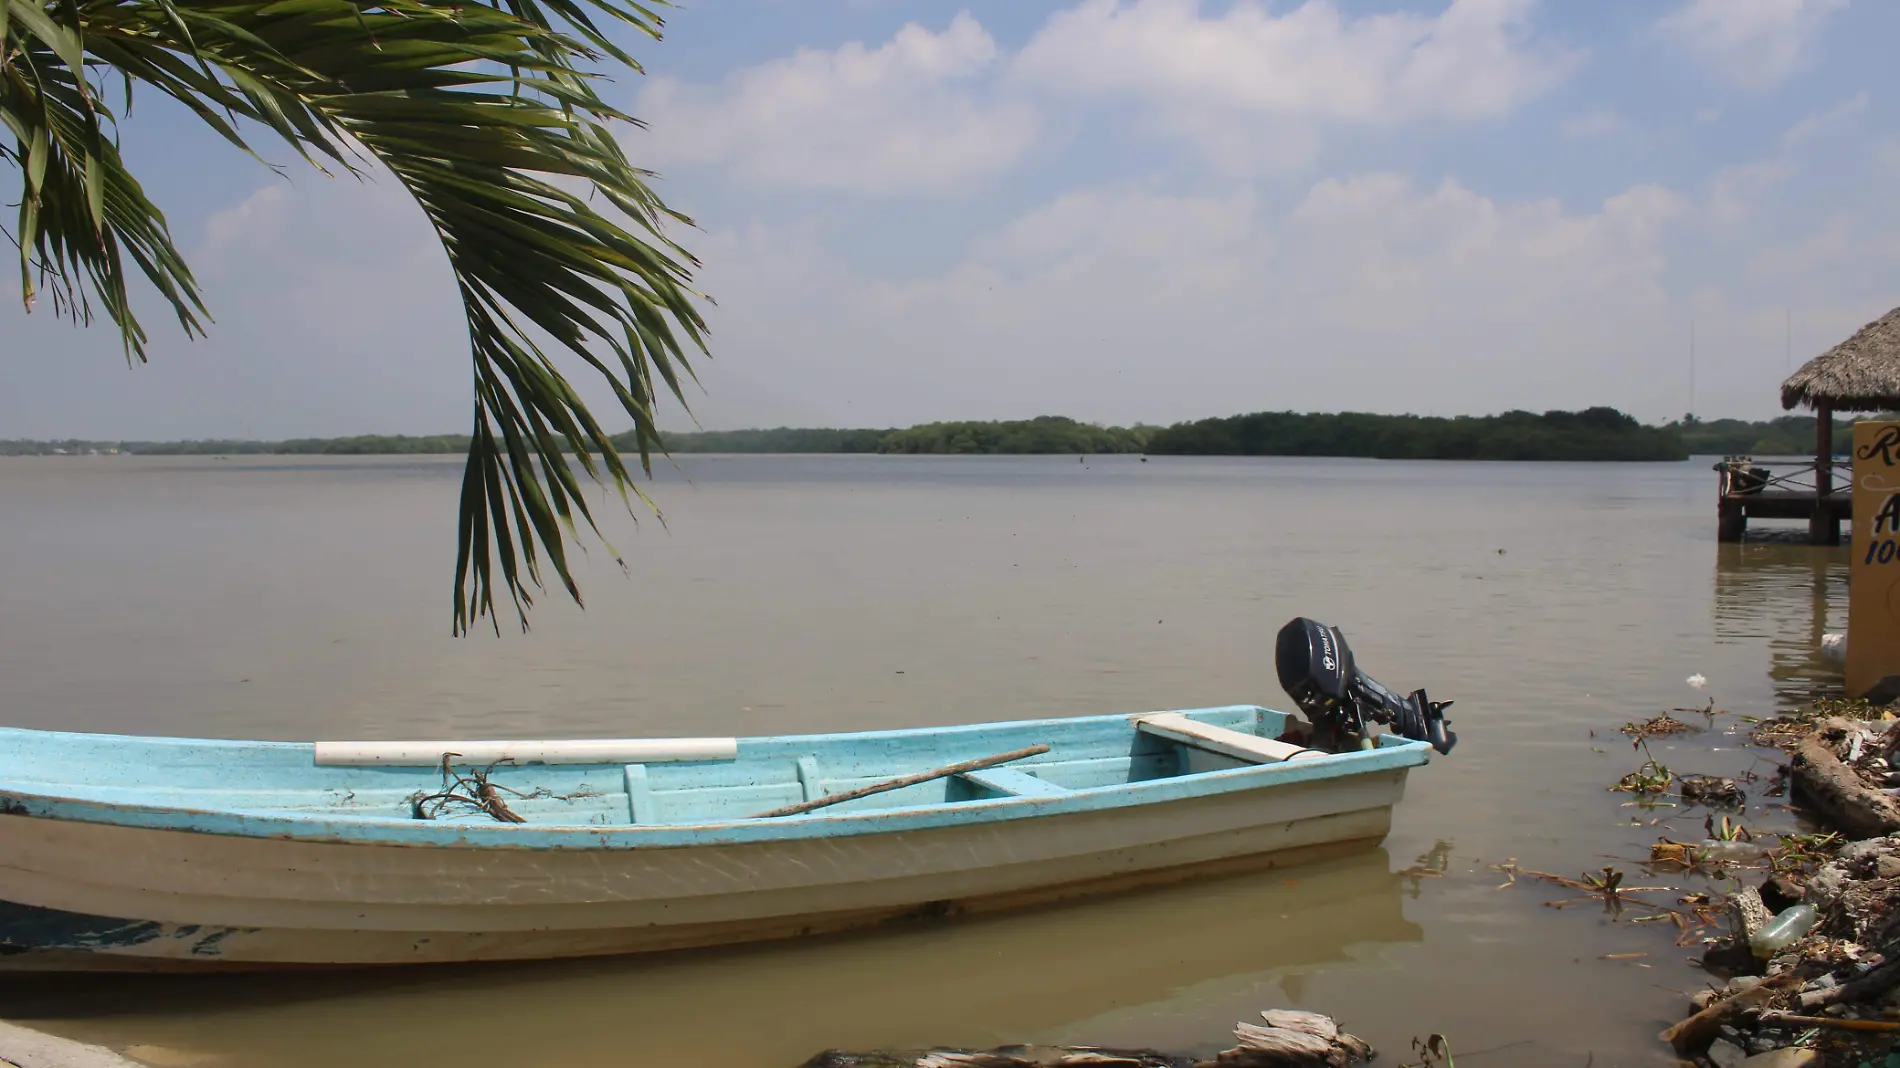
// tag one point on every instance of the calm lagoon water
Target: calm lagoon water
(304, 597)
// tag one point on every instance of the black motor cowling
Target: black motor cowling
(1317, 670)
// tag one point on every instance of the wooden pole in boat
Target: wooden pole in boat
(909, 780)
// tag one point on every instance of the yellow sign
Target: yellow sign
(1873, 599)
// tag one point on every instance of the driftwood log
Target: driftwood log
(1868, 987)
(1837, 792)
(1290, 1039)
(1002, 1057)
(1694, 1034)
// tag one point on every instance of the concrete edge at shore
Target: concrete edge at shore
(22, 1047)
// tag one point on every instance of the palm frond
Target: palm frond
(487, 115)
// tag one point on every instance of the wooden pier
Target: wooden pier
(1817, 491)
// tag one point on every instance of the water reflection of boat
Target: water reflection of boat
(980, 981)
(1791, 594)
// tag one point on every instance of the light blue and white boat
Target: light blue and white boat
(135, 853)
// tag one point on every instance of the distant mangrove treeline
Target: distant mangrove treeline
(1591, 434)
(1043, 434)
(361, 445)
(1790, 435)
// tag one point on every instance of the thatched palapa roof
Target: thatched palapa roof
(1861, 374)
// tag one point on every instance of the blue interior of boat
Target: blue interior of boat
(1086, 755)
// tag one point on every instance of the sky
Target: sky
(1116, 210)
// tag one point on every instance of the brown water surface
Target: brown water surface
(299, 598)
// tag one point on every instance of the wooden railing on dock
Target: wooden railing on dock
(1776, 488)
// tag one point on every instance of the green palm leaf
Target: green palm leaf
(487, 115)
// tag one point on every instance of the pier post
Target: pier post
(1824, 527)
(1731, 522)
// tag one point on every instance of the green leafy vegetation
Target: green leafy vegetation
(1044, 434)
(1790, 435)
(361, 445)
(783, 439)
(1592, 434)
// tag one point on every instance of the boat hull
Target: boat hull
(78, 895)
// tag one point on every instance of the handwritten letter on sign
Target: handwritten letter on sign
(1873, 610)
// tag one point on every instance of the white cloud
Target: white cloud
(1381, 253)
(333, 312)
(1128, 303)
(1248, 74)
(1839, 118)
(1083, 224)
(909, 115)
(1592, 124)
(1469, 62)
(1831, 246)
(260, 215)
(1370, 290)
(334, 305)
(1754, 44)
(1736, 192)
(930, 111)
(1886, 154)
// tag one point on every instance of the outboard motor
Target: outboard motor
(1317, 671)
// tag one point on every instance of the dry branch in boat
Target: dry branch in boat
(473, 790)
(908, 780)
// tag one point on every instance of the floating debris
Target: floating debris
(1786, 730)
(1432, 1051)
(1811, 953)
(1648, 781)
(1683, 855)
(1708, 710)
(1711, 790)
(1782, 732)
(1433, 864)
(1662, 726)
(1802, 854)
(1288, 1039)
(1727, 831)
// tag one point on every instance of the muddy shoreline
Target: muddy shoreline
(1809, 972)
(22, 1047)
(1791, 910)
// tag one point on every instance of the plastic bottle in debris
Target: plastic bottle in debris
(1733, 852)
(1784, 930)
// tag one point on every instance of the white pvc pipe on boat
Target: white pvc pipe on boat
(557, 751)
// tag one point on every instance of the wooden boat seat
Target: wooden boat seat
(1230, 743)
(1011, 781)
